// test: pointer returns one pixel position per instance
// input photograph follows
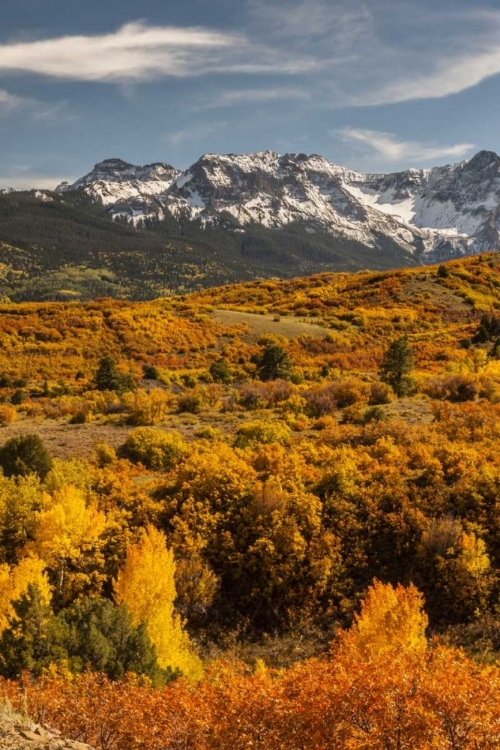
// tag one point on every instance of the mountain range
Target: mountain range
(143, 231)
(431, 214)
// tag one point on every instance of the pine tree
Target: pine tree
(100, 635)
(396, 366)
(273, 363)
(26, 644)
(107, 377)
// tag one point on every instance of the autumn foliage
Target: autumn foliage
(353, 698)
(281, 496)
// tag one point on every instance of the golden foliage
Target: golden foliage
(146, 584)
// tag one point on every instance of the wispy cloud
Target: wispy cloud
(253, 96)
(38, 110)
(392, 149)
(138, 52)
(340, 22)
(193, 133)
(10, 102)
(427, 55)
(451, 76)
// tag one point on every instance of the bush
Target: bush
(374, 414)
(25, 455)
(210, 433)
(150, 372)
(254, 396)
(348, 391)
(154, 449)
(190, 402)
(7, 415)
(337, 395)
(456, 388)
(380, 393)
(262, 432)
(354, 414)
(220, 372)
(80, 417)
(104, 454)
(147, 407)
(18, 397)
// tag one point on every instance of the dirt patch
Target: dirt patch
(411, 410)
(435, 293)
(65, 440)
(260, 325)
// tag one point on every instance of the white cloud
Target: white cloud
(376, 52)
(343, 22)
(391, 148)
(9, 102)
(253, 96)
(138, 52)
(450, 77)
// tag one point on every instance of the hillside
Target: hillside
(216, 507)
(54, 247)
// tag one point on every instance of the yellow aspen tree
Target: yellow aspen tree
(392, 622)
(64, 528)
(14, 583)
(146, 585)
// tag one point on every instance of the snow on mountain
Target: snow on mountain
(131, 192)
(431, 214)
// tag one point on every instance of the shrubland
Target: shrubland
(293, 540)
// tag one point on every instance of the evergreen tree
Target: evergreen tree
(25, 455)
(108, 378)
(273, 363)
(102, 636)
(396, 366)
(28, 644)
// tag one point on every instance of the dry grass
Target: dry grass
(261, 325)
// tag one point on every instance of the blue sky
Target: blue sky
(376, 85)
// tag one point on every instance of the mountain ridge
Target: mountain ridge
(139, 232)
(432, 214)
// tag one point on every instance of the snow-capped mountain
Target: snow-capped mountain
(430, 214)
(130, 191)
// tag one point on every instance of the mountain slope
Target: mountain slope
(67, 246)
(430, 214)
(142, 232)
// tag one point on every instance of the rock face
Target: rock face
(131, 192)
(430, 214)
(30, 736)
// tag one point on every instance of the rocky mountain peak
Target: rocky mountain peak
(113, 165)
(483, 159)
(429, 213)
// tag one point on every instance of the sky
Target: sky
(374, 85)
